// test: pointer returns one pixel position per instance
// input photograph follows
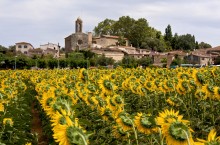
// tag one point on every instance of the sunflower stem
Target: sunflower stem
(83, 138)
(187, 137)
(184, 106)
(135, 132)
(129, 141)
(161, 136)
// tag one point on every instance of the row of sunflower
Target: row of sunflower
(15, 114)
(116, 97)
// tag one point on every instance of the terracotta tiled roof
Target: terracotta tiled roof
(214, 49)
(201, 55)
(24, 43)
(35, 50)
(178, 52)
(110, 36)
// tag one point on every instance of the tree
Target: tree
(176, 61)
(204, 45)
(186, 42)
(123, 26)
(168, 34)
(139, 32)
(153, 44)
(174, 42)
(76, 56)
(145, 61)
(104, 61)
(129, 62)
(105, 27)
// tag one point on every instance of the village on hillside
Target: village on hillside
(108, 46)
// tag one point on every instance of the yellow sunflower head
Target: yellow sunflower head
(217, 93)
(212, 139)
(2, 107)
(167, 115)
(83, 74)
(106, 86)
(173, 101)
(119, 133)
(177, 133)
(124, 121)
(201, 94)
(8, 121)
(145, 123)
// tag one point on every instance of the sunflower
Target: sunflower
(106, 86)
(169, 85)
(201, 94)
(83, 74)
(8, 121)
(212, 139)
(57, 119)
(125, 84)
(60, 134)
(107, 113)
(1, 107)
(149, 85)
(183, 87)
(69, 133)
(92, 89)
(170, 101)
(217, 92)
(177, 133)
(183, 75)
(119, 133)
(134, 87)
(124, 121)
(169, 114)
(209, 90)
(145, 123)
(198, 77)
(62, 117)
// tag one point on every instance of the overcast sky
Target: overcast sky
(42, 21)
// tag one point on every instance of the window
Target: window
(25, 46)
(80, 42)
(25, 52)
(19, 46)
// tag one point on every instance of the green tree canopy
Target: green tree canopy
(105, 27)
(204, 45)
(168, 34)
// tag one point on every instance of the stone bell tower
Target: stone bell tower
(79, 25)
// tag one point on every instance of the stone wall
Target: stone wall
(79, 41)
(68, 46)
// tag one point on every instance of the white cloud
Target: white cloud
(40, 21)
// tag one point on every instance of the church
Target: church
(80, 40)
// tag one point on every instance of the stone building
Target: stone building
(50, 48)
(78, 40)
(23, 47)
(107, 40)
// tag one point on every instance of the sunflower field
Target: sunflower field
(152, 106)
